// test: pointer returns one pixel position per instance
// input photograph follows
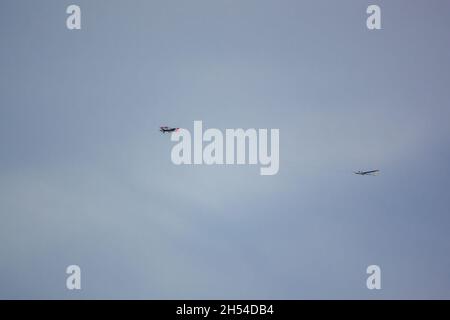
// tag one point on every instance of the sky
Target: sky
(86, 178)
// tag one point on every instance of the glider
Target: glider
(369, 173)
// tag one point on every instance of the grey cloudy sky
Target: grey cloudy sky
(86, 178)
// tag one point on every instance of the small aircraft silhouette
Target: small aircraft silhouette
(168, 129)
(369, 173)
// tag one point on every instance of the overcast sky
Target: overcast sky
(87, 179)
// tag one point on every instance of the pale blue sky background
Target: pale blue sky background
(86, 178)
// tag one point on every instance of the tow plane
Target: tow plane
(168, 129)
